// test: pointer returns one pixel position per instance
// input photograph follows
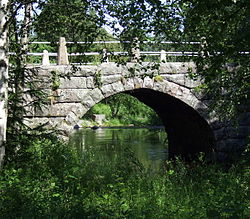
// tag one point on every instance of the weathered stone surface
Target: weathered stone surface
(96, 95)
(71, 118)
(84, 71)
(60, 109)
(148, 82)
(88, 102)
(117, 87)
(90, 82)
(111, 79)
(177, 67)
(182, 79)
(109, 69)
(62, 58)
(128, 84)
(159, 86)
(71, 95)
(37, 121)
(107, 90)
(73, 83)
(138, 83)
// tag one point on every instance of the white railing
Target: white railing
(119, 42)
(62, 54)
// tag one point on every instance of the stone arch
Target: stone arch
(180, 92)
(181, 111)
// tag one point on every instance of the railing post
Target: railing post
(203, 46)
(163, 57)
(62, 56)
(45, 60)
(135, 50)
(105, 56)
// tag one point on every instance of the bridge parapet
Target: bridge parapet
(164, 50)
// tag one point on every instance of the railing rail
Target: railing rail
(119, 42)
(62, 54)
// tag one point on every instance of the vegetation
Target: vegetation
(123, 109)
(223, 27)
(43, 177)
(55, 182)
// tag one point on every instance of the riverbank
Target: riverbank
(123, 126)
(139, 123)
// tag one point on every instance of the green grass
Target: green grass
(55, 181)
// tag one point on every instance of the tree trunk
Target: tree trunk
(3, 76)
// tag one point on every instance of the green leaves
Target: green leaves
(225, 25)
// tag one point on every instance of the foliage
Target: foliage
(73, 20)
(55, 182)
(123, 109)
(224, 27)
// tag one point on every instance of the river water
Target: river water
(148, 145)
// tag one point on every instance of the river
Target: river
(147, 145)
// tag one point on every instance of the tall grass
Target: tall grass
(57, 182)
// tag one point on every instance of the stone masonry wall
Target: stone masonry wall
(83, 86)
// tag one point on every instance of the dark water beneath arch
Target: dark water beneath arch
(148, 145)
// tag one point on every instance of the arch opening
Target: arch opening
(188, 132)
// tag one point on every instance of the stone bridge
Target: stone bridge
(166, 88)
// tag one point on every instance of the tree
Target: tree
(225, 27)
(3, 75)
(74, 20)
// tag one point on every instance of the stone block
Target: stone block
(117, 87)
(88, 102)
(96, 95)
(177, 67)
(38, 121)
(159, 86)
(73, 83)
(138, 83)
(90, 82)
(71, 118)
(71, 95)
(84, 70)
(59, 110)
(148, 82)
(109, 79)
(128, 84)
(109, 69)
(181, 79)
(107, 90)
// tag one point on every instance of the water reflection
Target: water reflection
(149, 145)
